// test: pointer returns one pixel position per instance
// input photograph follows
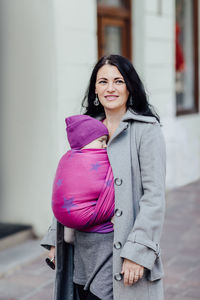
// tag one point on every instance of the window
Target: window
(187, 57)
(114, 27)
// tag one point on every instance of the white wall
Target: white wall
(154, 59)
(76, 47)
(29, 109)
(49, 48)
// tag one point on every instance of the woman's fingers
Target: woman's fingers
(131, 278)
(126, 277)
(132, 272)
(136, 277)
(50, 260)
(141, 272)
(52, 254)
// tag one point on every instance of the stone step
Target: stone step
(15, 257)
(16, 238)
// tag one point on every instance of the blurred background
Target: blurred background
(48, 49)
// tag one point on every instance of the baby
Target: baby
(85, 132)
(83, 190)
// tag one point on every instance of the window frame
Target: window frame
(113, 16)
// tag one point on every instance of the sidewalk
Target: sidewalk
(181, 243)
(180, 253)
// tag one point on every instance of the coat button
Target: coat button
(118, 212)
(118, 276)
(117, 245)
(118, 181)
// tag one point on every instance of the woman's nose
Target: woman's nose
(110, 87)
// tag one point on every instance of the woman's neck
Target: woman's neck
(113, 119)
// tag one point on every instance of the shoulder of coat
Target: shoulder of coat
(130, 115)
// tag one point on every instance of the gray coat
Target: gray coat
(138, 158)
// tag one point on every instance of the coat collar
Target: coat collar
(130, 115)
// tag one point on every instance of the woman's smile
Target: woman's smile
(111, 97)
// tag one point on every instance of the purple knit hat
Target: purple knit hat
(83, 129)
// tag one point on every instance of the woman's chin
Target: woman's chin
(114, 106)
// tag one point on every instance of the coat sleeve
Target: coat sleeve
(50, 237)
(142, 245)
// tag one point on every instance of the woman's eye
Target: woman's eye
(119, 81)
(102, 82)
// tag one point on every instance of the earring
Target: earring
(96, 101)
(131, 101)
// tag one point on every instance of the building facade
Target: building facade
(49, 49)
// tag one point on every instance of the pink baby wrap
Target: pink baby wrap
(83, 191)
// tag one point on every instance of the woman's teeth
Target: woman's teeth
(110, 98)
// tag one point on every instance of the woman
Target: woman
(129, 260)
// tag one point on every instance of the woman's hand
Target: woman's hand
(132, 272)
(52, 253)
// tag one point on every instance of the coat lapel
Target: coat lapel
(122, 126)
(130, 115)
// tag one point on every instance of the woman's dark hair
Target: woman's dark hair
(134, 85)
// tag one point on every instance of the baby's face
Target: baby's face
(99, 143)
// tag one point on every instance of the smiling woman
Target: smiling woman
(117, 97)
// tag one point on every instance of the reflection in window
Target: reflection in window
(185, 68)
(113, 40)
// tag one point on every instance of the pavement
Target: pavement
(32, 279)
(15, 257)
(181, 243)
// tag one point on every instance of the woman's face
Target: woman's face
(111, 88)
